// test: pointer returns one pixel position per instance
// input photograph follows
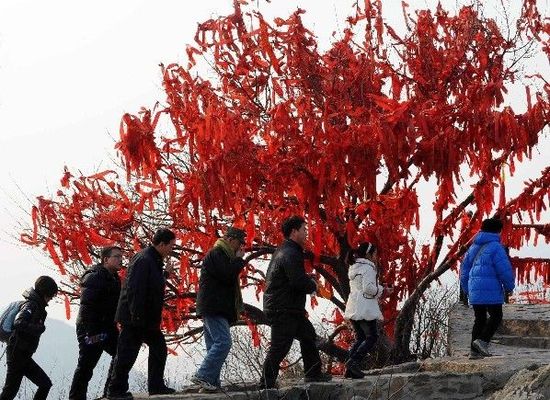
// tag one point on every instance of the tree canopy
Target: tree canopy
(274, 126)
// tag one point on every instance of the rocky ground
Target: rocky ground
(519, 369)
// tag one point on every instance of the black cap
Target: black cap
(46, 286)
(236, 233)
(491, 225)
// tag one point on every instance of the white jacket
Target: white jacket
(365, 291)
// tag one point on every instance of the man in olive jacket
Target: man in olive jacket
(219, 303)
(284, 305)
(139, 313)
(95, 325)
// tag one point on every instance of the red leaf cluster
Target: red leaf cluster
(343, 136)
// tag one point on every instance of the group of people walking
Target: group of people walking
(137, 305)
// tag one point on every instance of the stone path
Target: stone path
(520, 323)
(453, 377)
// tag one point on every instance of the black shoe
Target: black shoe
(482, 347)
(120, 396)
(475, 355)
(163, 390)
(322, 377)
(353, 370)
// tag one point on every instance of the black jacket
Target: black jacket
(286, 282)
(142, 295)
(219, 285)
(99, 294)
(29, 323)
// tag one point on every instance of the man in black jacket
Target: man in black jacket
(139, 313)
(95, 325)
(284, 305)
(27, 329)
(219, 302)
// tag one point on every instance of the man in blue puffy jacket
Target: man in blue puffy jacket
(486, 275)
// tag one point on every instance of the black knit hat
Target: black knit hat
(236, 233)
(46, 286)
(491, 225)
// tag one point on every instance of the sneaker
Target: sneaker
(475, 355)
(482, 347)
(162, 390)
(120, 396)
(206, 387)
(322, 377)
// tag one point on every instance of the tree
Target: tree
(343, 136)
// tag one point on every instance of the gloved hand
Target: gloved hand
(100, 337)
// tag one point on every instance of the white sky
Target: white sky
(69, 70)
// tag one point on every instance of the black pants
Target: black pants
(21, 364)
(284, 329)
(484, 328)
(366, 335)
(129, 342)
(88, 357)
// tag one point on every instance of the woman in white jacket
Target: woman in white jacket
(362, 307)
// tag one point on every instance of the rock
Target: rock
(527, 384)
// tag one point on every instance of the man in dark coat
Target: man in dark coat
(284, 305)
(139, 313)
(27, 329)
(95, 325)
(219, 303)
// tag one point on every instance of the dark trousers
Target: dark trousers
(284, 329)
(484, 328)
(21, 364)
(129, 342)
(88, 357)
(366, 335)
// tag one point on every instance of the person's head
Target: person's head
(46, 287)
(491, 225)
(111, 258)
(235, 237)
(164, 241)
(365, 250)
(294, 228)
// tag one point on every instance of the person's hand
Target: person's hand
(169, 266)
(507, 295)
(323, 292)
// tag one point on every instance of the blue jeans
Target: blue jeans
(218, 343)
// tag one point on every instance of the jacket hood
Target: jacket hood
(486, 237)
(32, 295)
(359, 265)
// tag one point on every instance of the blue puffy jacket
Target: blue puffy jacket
(485, 277)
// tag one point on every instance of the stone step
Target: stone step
(523, 341)
(409, 386)
(525, 327)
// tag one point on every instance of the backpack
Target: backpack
(7, 319)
